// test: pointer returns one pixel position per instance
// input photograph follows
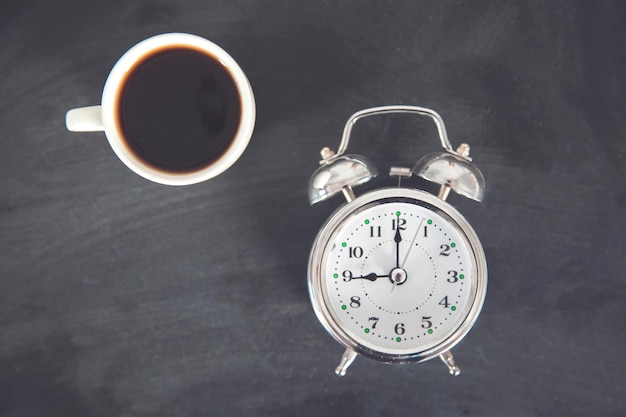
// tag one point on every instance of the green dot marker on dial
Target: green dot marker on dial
(367, 330)
(398, 339)
(453, 308)
(462, 276)
(453, 244)
(429, 222)
(343, 307)
(344, 244)
(367, 221)
(430, 331)
(398, 213)
(335, 275)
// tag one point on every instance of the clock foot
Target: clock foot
(346, 360)
(448, 359)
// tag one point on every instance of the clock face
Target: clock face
(398, 275)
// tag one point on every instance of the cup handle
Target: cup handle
(84, 119)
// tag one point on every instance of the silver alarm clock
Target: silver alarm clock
(397, 274)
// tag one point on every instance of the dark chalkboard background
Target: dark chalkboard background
(120, 297)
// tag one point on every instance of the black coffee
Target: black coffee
(179, 109)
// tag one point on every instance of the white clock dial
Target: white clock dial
(398, 276)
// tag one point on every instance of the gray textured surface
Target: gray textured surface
(122, 297)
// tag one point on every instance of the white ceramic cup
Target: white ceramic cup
(103, 117)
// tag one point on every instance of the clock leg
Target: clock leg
(448, 359)
(346, 360)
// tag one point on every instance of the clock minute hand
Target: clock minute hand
(398, 238)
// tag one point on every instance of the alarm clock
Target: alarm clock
(397, 274)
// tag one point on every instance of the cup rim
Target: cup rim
(114, 132)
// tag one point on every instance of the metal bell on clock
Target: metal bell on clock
(451, 169)
(453, 172)
(339, 174)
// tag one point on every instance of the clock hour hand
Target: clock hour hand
(371, 277)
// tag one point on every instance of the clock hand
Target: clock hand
(371, 277)
(399, 273)
(412, 243)
(397, 238)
